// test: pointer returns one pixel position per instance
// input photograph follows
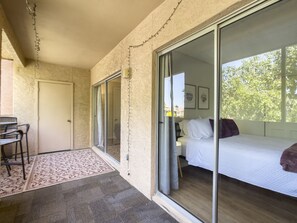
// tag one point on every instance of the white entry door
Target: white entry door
(55, 113)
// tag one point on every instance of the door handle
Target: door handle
(69, 121)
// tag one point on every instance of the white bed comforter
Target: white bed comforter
(252, 159)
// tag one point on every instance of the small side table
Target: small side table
(179, 153)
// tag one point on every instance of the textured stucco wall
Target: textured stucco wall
(191, 15)
(6, 87)
(25, 97)
(10, 43)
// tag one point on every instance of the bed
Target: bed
(251, 159)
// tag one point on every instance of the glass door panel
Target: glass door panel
(114, 118)
(186, 106)
(258, 100)
(99, 117)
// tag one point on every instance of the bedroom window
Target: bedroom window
(258, 79)
(251, 88)
(291, 84)
(259, 71)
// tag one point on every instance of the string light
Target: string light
(31, 8)
(129, 80)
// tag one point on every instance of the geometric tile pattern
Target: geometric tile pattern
(55, 168)
(15, 183)
(106, 198)
(52, 168)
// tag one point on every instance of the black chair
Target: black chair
(8, 123)
(25, 129)
(4, 128)
(6, 140)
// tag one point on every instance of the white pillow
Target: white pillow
(199, 129)
(184, 127)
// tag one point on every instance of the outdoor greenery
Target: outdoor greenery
(252, 87)
(291, 83)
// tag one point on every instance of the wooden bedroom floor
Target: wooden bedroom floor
(238, 202)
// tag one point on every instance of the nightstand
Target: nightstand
(179, 153)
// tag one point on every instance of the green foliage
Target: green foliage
(251, 88)
(291, 83)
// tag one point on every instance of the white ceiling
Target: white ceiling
(73, 32)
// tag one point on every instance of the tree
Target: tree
(291, 83)
(252, 87)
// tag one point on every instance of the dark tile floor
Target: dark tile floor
(105, 198)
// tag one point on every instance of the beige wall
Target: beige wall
(10, 43)
(25, 97)
(6, 87)
(190, 15)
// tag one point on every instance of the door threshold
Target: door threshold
(175, 210)
(66, 150)
(107, 158)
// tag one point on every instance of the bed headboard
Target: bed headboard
(177, 131)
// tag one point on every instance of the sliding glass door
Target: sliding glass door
(227, 118)
(107, 117)
(186, 105)
(114, 118)
(99, 116)
(259, 95)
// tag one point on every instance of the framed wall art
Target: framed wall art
(190, 96)
(203, 98)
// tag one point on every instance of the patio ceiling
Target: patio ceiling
(73, 32)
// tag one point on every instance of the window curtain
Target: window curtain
(168, 167)
(99, 119)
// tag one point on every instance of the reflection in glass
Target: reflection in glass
(99, 117)
(181, 176)
(257, 79)
(258, 65)
(178, 95)
(114, 118)
(291, 83)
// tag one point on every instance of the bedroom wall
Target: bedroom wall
(197, 73)
(270, 129)
(191, 16)
(250, 127)
(25, 98)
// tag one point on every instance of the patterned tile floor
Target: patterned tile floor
(15, 183)
(104, 198)
(53, 168)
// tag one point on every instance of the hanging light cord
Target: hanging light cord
(31, 8)
(129, 80)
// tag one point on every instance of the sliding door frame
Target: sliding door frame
(215, 27)
(94, 98)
